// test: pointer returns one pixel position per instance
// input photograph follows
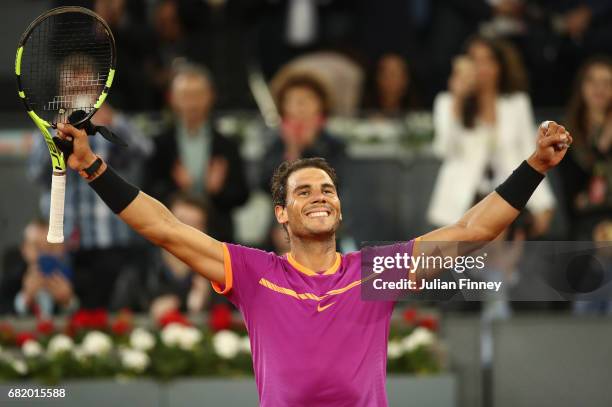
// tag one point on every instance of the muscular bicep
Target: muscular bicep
(481, 224)
(201, 252)
(152, 220)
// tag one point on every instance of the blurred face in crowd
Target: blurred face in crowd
(392, 75)
(110, 10)
(313, 207)
(189, 214)
(597, 88)
(82, 90)
(35, 243)
(192, 97)
(302, 104)
(487, 67)
(302, 115)
(167, 22)
(463, 77)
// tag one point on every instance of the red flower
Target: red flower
(45, 327)
(88, 319)
(121, 327)
(410, 315)
(173, 316)
(23, 337)
(99, 319)
(220, 317)
(430, 323)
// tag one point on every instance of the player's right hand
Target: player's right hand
(82, 156)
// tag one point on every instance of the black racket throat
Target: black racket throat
(79, 120)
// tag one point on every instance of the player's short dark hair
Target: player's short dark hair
(308, 81)
(282, 173)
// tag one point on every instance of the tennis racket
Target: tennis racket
(65, 64)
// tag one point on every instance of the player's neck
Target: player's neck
(317, 255)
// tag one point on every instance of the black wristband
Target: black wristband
(520, 185)
(93, 168)
(116, 192)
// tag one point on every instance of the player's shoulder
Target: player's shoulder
(251, 256)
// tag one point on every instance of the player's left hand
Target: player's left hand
(552, 145)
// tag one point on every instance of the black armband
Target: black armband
(116, 192)
(520, 185)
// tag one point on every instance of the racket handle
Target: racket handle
(56, 212)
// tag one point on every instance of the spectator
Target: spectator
(393, 26)
(131, 90)
(101, 245)
(587, 170)
(561, 34)
(170, 284)
(276, 240)
(586, 22)
(484, 127)
(304, 104)
(452, 22)
(284, 30)
(46, 275)
(191, 156)
(391, 91)
(340, 75)
(179, 35)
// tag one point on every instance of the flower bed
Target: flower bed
(90, 345)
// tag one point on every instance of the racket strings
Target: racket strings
(65, 65)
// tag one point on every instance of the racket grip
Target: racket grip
(56, 212)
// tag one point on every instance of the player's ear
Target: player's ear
(281, 214)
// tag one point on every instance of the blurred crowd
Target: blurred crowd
(479, 65)
(235, 38)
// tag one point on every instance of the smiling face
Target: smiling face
(313, 207)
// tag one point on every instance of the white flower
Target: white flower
(31, 349)
(134, 359)
(79, 354)
(394, 349)
(19, 366)
(60, 343)
(245, 344)
(96, 343)
(189, 337)
(419, 337)
(178, 335)
(226, 344)
(141, 339)
(171, 334)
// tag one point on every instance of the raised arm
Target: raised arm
(487, 219)
(147, 216)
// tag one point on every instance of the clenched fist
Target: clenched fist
(82, 156)
(552, 144)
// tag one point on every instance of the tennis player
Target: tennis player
(315, 342)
